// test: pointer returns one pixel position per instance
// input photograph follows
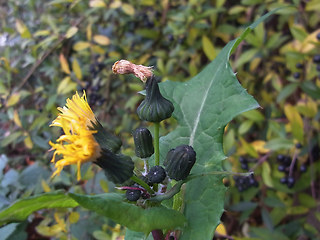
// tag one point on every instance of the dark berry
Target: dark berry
(315, 152)
(171, 238)
(253, 182)
(133, 194)
(318, 36)
(181, 39)
(243, 159)
(290, 182)
(318, 67)
(244, 166)
(156, 174)
(149, 24)
(95, 88)
(296, 75)
(303, 168)
(287, 161)
(298, 145)
(283, 180)
(170, 37)
(240, 188)
(299, 65)
(316, 58)
(280, 158)
(281, 168)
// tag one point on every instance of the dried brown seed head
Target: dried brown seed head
(126, 67)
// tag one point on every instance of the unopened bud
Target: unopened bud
(126, 67)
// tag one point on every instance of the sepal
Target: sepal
(118, 168)
(154, 108)
(105, 139)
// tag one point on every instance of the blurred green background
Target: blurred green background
(50, 49)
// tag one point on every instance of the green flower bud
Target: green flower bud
(118, 168)
(143, 143)
(179, 162)
(154, 108)
(106, 140)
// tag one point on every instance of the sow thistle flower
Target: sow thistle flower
(85, 140)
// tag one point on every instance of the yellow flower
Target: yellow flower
(78, 144)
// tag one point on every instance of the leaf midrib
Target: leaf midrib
(196, 123)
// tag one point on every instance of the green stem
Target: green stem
(177, 187)
(142, 183)
(173, 191)
(156, 143)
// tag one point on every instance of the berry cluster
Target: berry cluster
(244, 163)
(284, 166)
(156, 175)
(96, 99)
(245, 182)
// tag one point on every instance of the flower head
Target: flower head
(78, 144)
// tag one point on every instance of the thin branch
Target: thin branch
(45, 55)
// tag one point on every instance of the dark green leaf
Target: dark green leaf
(287, 91)
(203, 107)
(115, 207)
(21, 209)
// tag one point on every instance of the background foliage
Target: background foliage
(49, 50)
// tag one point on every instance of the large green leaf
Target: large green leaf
(115, 207)
(21, 209)
(203, 107)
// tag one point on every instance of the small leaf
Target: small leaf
(253, 115)
(133, 217)
(266, 174)
(287, 91)
(298, 32)
(74, 217)
(295, 120)
(66, 85)
(16, 118)
(45, 186)
(76, 69)
(22, 29)
(221, 229)
(42, 33)
(71, 32)
(21, 209)
(101, 39)
(89, 32)
(11, 138)
(259, 146)
(64, 64)
(28, 141)
(97, 4)
(79, 46)
(208, 48)
(128, 9)
(13, 99)
(279, 143)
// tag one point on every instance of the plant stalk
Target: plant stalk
(142, 183)
(156, 143)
